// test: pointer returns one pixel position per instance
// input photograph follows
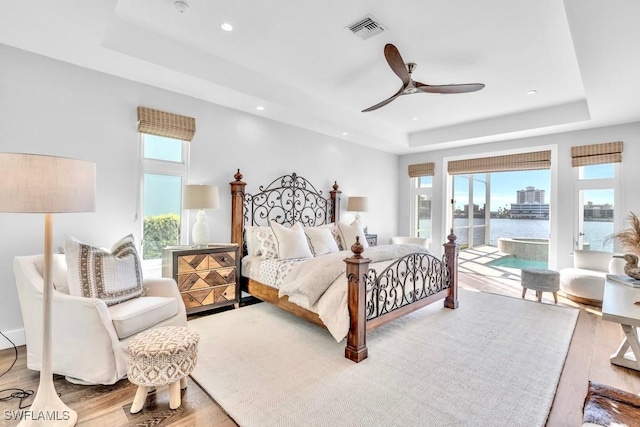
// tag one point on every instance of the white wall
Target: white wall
(562, 198)
(51, 107)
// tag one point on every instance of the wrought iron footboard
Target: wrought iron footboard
(407, 280)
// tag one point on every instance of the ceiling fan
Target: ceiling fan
(410, 86)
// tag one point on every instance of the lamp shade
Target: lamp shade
(357, 204)
(46, 184)
(201, 197)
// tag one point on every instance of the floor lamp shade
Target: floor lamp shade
(200, 197)
(47, 184)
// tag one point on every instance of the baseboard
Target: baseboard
(17, 336)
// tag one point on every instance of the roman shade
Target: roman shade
(512, 162)
(596, 154)
(169, 125)
(422, 169)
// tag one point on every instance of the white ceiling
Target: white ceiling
(297, 59)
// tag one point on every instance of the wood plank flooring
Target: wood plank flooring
(593, 342)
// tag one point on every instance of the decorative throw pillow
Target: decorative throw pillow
(321, 240)
(267, 244)
(292, 242)
(113, 275)
(349, 233)
(335, 232)
(250, 232)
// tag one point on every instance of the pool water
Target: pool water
(512, 262)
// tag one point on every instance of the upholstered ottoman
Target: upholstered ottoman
(162, 356)
(540, 280)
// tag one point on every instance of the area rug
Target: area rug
(494, 361)
(608, 406)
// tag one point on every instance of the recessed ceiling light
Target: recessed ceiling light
(345, 133)
(226, 26)
(260, 108)
(414, 118)
(532, 92)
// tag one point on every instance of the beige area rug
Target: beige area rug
(495, 361)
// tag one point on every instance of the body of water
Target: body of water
(595, 231)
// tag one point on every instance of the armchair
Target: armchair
(90, 338)
(584, 282)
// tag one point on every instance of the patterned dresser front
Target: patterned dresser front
(207, 277)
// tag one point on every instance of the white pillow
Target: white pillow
(292, 242)
(267, 244)
(321, 240)
(113, 275)
(349, 233)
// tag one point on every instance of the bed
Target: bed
(372, 285)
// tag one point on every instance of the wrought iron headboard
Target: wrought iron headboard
(286, 200)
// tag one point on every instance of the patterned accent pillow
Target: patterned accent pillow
(335, 232)
(113, 275)
(267, 244)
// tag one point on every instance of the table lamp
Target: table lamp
(357, 204)
(200, 197)
(34, 183)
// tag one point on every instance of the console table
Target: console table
(618, 306)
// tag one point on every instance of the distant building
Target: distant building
(530, 204)
(530, 195)
(529, 210)
(598, 212)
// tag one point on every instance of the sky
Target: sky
(505, 185)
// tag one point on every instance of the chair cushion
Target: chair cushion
(59, 272)
(138, 314)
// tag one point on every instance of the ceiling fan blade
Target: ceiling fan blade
(396, 63)
(385, 102)
(455, 88)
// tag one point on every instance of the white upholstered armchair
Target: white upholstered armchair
(90, 338)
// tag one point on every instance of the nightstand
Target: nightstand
(207, 277)
(372, 239)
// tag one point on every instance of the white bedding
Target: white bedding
(319, 284)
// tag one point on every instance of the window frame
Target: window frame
(415, 191)
(161, 167)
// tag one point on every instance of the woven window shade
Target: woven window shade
(422, 169)
(596, 154)
(155, 122)
(512, 162)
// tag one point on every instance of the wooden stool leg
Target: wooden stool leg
(183, 383)
(139, 399)
(174, 395)
(539, 295)
(555, 297)
(524, 291)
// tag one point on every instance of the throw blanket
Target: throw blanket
(608, 406)
(308, 281)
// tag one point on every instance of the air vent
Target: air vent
(366, 27)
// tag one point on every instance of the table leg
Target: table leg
(524, 291)
(621, 358)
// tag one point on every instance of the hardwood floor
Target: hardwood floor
(594, 340)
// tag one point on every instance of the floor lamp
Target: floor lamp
(46, 184)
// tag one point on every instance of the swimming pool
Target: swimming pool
(513, 262)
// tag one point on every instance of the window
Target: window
(165, 170)
(164, 160)
(421, 178)
(596, 168)
(422, 206)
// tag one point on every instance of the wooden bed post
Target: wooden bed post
(451, 254)
(237, 209)
(335, 202)
(357, 268)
